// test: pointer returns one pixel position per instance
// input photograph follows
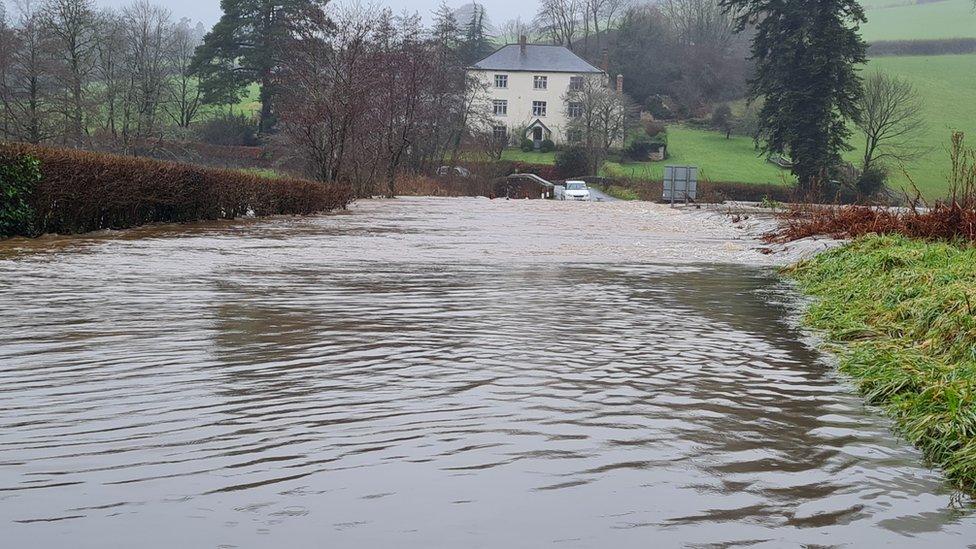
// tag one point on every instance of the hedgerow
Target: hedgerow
(19, 176)
(83, 191)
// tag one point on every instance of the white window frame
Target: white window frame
(575, 83)
(500, 107)
(500, 132)
(501, 81)
(540, 82)
(539, 108)
(574, 110)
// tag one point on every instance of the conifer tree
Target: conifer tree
(244, 47)
(477, 42)
(806, 55)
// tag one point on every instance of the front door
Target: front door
(537, 137)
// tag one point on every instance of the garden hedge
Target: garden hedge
(79, 191)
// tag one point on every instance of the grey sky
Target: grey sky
(208, 11)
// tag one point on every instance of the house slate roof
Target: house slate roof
(537, 58)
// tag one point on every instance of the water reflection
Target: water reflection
(171, 392)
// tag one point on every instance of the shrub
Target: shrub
(640, 149)
(659, 107)
(19, 175)
(654, 128)
(229, 129)
(547, 146)
(572, 162)
(872, 181)
(527, 145)
(84, 191)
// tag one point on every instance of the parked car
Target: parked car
(456, 171)
(577, 190)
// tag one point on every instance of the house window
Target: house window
(541, 82)
(575, 110)
(501, 80)
(574, 136)
(500, 133)
(538, 108)
(500, 107)
(575, 83)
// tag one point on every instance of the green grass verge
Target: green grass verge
(618, 192)
(900, 314)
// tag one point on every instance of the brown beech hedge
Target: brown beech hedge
(83, 191)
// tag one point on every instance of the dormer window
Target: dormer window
(501, 81)
(541, 82)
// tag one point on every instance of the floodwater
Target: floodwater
(435, 373)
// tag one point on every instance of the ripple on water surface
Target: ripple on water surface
(176, 390)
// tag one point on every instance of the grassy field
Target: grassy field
(516, 155)
(947, 19)
(900, 313)
(947, 84)
(719, 159)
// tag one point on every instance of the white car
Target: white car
(577, 190)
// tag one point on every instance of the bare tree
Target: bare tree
(599, 118)
(325, 88)
(185, 95)
(513, 30)
(27, 89)
(149, 36)
(560, 20)
(70, 24)
(890, 120)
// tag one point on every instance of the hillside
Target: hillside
(891, 20)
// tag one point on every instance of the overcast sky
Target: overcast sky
(208, 11)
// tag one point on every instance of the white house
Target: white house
(527, 85)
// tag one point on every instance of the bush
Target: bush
(654, 128)
(640, 149)
(229, 129)
(548, 146)
(572, 162)
(527, 145)
(659, 107)
(872, 181)
(19, 175)
(84, 191)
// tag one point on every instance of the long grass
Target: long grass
(903, 313)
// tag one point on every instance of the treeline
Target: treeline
(947, 46)
(74, 75)
(681, 57)
(363, 94)
(65, 191)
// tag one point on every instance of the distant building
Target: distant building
(527, 85)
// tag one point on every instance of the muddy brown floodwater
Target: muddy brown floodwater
(436, 373)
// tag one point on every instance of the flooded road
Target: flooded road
(435, 373)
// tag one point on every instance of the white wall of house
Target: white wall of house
(521, 97)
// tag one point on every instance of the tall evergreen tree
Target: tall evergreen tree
(477, 43)
(244, 47)
(806, 54)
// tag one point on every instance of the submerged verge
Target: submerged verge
(899, 313)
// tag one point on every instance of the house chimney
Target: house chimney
(523, 43)
(620, 84)
(605, 61)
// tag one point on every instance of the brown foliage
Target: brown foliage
(950, 219)
(84, 191)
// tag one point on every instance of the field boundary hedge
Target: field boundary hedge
(82, 191)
